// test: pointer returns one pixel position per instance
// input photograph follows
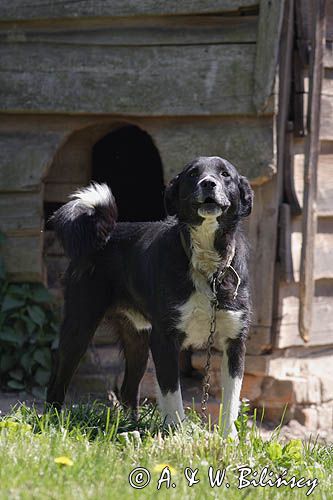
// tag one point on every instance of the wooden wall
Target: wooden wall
(199, 77)
(288, 306)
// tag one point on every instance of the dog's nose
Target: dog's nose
(207, 182)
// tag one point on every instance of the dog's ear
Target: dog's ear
(171, 196)
(246, 197)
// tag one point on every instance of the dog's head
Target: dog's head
(209, 187)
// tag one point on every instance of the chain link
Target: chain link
(210, 342)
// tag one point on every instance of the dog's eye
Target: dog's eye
(225, 173)
(193, 173)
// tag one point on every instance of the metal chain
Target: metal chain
(210, 342)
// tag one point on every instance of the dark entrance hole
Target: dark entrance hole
(129, 162)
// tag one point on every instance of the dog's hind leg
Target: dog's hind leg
(86, 300)
(232, 376)
(165, 351)
(135, 344)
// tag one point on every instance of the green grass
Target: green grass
(104, 447)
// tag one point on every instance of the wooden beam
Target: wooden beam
(325, 182)
(285, 79)
(18, 10)
(247, 143)
(25, 158)
(268, 40)
(134, 31)
(289, 176)
(312, 146)
(285, 255)
(142, 81)
(21, 213)
(322, 323)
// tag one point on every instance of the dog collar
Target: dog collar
(219, 274)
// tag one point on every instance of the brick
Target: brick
(251, 388)
(257, 365)
(325, 417)
(276, 391)
(326, 389)
(199, 360)
(307, 417)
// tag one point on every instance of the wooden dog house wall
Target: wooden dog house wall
(190, 75)
(193, 78)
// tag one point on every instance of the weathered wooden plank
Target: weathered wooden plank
(23, 257)
(328, 55)
(191, 80)
(329, 21)
(60, 192)
(285, 254)
(21, 213)
(262, 229)
(323, 262)
(72, 162)
(249, 144)
(309, 218)
(176, 30)
(25, 158)
(289, 174)
(268, 40)
(326, 117)
(325, 183)
(322, 325)
(326, 120)
(41, 9)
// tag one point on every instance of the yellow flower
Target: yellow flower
(64, 461)
(160, 467)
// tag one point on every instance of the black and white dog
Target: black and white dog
(155, 277)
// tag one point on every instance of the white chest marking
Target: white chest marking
(205, 258)
(195, 313)
(195, 317)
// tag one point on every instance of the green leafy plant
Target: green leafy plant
(28, 333)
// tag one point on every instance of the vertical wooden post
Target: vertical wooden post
(312, 146)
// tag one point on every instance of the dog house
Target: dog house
(126, 93)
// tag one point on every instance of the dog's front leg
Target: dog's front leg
(232, 376)
(165, 351)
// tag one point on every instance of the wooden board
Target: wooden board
(49, 9)
(325, 182)
(25, 158)
(175, 30)
(261, 230)
(163, 80)
(248, 144)
(311, 153)
(322, 326)
(21, 213)
(60, 192)
(269, 30)
(23, 258)
(323, 262)
(326, 119)
(328, 56)
(329, 21)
